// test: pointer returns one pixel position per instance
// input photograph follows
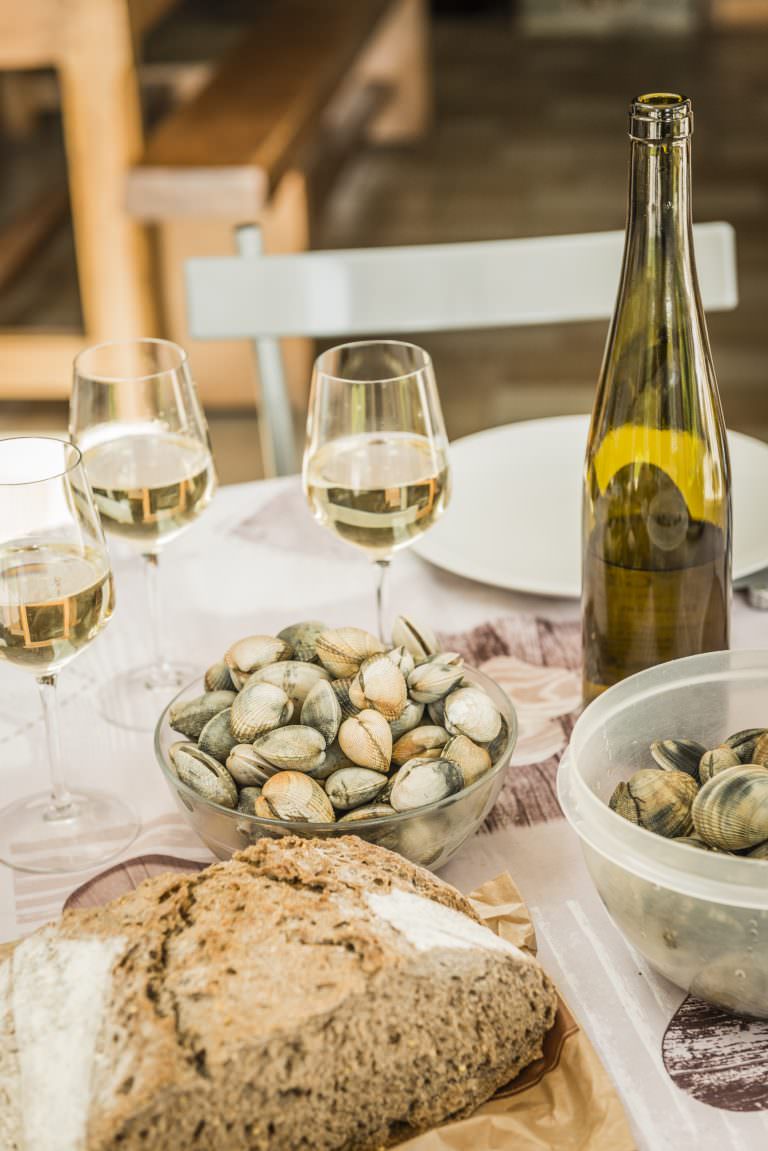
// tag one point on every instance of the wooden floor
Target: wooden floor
(530, 139)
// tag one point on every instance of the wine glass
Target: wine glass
(55, 597)
(376, 456)
(135, 414)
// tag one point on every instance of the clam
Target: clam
(302, 638)
(743, 742)
(300, 748)
(247, 767)
(417, 742)
(380, 685)
(252, 652)
(422, 781)
(370, 811)
(259, 707)
(263, 808)
(341, 690)
(436, 712)
(247, 799)
(352, 786)
(469, 711)
(760, 751)
(497, 746)
(409, 718)
(334, 760)
(295, 678)
(341, 650)
(662, 800)
(731, 810)
(367, 740)
(204, 774)
(718, 759)
(436, 677)
(294, 796)
(322, 710)
(420, 641)
(217, 677)
(216, 738)
(471, 759)
(190, 716)
(678, 755)
(402, 658)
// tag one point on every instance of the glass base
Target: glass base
(94, 827)
(135, 699)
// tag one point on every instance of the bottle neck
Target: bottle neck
(659, 214)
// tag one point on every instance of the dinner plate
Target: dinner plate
(514, 520)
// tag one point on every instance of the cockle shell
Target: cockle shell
(402, 658)
(436, 712)
(471, 759)
(190, 716)
(731, 810)
(295, 796)
(217, 677)
(295, 678)
(341, 650)
(760, 751)
(662, 800)
(409, 718)
(341, 690)
(302, 638)
(352, 786)
(718, 759)
(380, 685)
(259, 707)
(247, 767)
(300, 748)
(743, 742)
(422, 781)
(435, 677)
(417, 742)
(322, 710)
(216, 738)
(678, 755)
(247, 800)
(366, 740)
(469, 711)
(420, 641)
(370, 811)
(252, 652)
(263, 808)
(204, 774)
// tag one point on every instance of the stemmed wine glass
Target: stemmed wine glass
(135, 414)
(55, 597)
(376, 456)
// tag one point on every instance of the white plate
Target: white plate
(514, 520)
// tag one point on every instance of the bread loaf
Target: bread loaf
(308, 994)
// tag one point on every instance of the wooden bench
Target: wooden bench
(308, 81)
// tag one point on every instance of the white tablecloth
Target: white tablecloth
(226, 578)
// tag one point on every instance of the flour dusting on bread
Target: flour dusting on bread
(427, 924)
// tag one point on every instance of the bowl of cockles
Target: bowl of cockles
(666, 783)
(321, 731)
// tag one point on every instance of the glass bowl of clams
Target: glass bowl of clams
(666, 783)
(323, 731)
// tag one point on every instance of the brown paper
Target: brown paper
(564, 1101)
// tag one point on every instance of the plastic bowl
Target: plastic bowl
(699, 918)
(429, 836)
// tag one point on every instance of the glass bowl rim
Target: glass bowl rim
(508, 713)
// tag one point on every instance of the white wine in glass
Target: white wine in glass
(56, 596)
(136, 416)
(376, 460)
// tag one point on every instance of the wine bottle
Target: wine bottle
(656, 528)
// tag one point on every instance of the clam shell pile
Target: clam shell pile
(715, 798)
(325, 725)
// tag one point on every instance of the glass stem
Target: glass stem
(382, 567)
(160, 665)
(61, 800)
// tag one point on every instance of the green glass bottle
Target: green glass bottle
(656, 531)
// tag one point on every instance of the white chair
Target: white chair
(434, 287)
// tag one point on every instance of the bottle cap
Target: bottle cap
(660, 116)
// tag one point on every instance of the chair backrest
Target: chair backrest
(432, 287)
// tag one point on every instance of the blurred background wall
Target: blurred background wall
(527, 137)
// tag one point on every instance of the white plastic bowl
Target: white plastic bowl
(699, 918)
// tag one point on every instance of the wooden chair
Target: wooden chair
(442, 287)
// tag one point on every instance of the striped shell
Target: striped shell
(294, 796)
(295, 678)
(302, 638)
(217, 677)
(204, 774)
(471, 759)
(718, 759)
(731, 810)
(216, 738)
(422, 781)
(420, 641)
(299, 748)
(341, 689)
(402, 658)
(657, 799)
(341, 650)
(190, 716)
(409, 718)
(380, 685)
(322, 710)
(366, 740)
(247, 767)
(259, 707)
(469, 711)
(678, 755)
(352, 786)
(417, 742)
(252, 652)
(436, 677)
(370, 811)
